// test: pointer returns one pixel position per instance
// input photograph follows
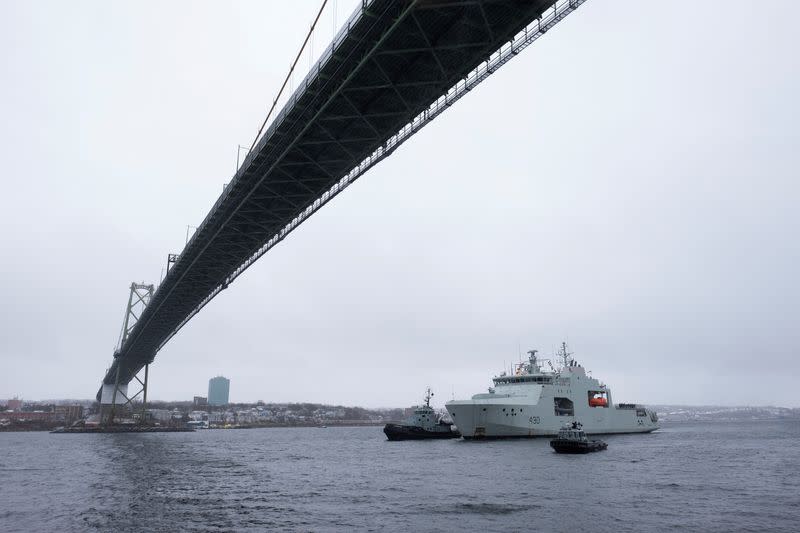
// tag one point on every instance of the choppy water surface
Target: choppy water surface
(709, 477)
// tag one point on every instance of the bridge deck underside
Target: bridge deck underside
(394, 61)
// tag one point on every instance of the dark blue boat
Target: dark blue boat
(572, 439)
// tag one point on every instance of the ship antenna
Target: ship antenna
(564, 354)
(428, 395)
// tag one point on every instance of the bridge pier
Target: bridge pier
(111, 397)
(115, 396)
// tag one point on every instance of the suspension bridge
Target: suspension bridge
(392, 68)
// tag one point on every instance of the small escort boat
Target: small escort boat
(423, 424)
(572, 439)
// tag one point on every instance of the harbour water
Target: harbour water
(722, 476)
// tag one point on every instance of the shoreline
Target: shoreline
(166, 429)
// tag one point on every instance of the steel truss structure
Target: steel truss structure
(108, 417)
(139, 298)
(393, 68)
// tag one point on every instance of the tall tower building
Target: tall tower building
(218, 390)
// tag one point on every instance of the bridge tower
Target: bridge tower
(112, 394)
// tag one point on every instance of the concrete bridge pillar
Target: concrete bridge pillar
(108, 397)
(111, 398)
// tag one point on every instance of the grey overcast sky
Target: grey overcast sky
(628, 184)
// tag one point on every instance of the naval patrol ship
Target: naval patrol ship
(533, 402)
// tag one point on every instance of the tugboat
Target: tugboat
(572, 439)
(423, 424)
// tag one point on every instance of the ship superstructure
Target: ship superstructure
(532, 402)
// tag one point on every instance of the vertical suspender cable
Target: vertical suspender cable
(289, 75)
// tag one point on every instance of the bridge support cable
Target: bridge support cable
(522, 40)
(309, 35)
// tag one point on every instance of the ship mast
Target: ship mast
(564, 355)
(533, 366)
(428, 396)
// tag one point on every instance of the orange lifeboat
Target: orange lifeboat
(598, 402)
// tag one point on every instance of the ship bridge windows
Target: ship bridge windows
(513, 380)
(598, 398)
(563, 406)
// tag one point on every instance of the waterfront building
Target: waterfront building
(160, 415)
(28, 416)
(245, 417)
(68, 413)
(198, 416)
(218, 390)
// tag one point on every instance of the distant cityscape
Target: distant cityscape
(216, 411)
(707, 413)
(211, 411)
(44, 415)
